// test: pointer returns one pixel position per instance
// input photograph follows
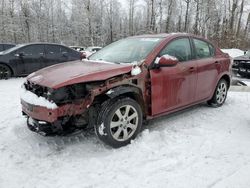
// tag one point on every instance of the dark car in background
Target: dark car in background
(242, 63)
(6, 46)
(24, 59)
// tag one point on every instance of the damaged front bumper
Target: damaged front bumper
(44, 128)
(52, 121)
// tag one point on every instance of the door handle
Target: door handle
(192, 69)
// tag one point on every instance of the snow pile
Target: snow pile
(135, 70)
(170, 57)
(233, 52)
(167, 57)
(110, 92)
(98, 61)
(33, 99)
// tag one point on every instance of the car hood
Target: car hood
(242, 58)
(64, 74)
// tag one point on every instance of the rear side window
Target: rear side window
(203, 49)
(70, 52)
(1, 47)
(52, 49)
(65, 50)
(179, 48)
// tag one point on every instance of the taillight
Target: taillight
(83, 55)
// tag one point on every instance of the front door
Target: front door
(174, 87)
(31, 58)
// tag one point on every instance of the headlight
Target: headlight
(236, 63)
(66, 94)
(58, 96)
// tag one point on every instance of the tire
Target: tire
(220, 94)
(5, 72)
(119, 121)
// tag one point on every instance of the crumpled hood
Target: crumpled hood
(63, 74)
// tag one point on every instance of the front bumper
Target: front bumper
(244, 71)
(52, 115)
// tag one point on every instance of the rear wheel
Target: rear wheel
(5, 72)
(220, 94)
(119, 122)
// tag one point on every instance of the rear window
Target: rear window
(203, 49)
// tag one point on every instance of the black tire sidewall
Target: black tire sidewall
(105, 115)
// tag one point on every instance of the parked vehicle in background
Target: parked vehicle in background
(6, 46)
(125, 83)
(24, 59)
(243, 64)
(78, 48)
(90, 50)
(234, 53)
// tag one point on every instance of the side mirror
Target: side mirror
(245, 52)
(166, 61)
(19, 55)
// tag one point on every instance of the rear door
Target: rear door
(53, 54)
(31, 57)
(174, 87)
(207, 68)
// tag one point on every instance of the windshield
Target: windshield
(12, 49)
(248, 53)
(126, 50)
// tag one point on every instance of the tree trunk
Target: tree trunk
(239, 22)
(186, 15)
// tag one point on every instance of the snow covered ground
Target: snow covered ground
(201, 147)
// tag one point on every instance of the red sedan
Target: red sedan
(125, 83)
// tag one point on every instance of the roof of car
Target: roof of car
(162, 35)
(34, 43)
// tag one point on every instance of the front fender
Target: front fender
(120, 90)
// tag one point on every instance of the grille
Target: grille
(244, 65)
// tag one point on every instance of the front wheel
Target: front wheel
(119, 121)
(220, 94)
(5, 72)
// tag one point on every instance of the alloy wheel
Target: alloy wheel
(124, 123)
(221, 93)
(4, 72)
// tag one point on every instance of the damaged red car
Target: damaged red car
(124, 84)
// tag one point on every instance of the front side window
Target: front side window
(179, 48)
(127, 50)
(32, 50)
(203, 49)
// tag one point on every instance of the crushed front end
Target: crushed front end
(55, 111)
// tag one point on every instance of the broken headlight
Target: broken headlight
(67, 94)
